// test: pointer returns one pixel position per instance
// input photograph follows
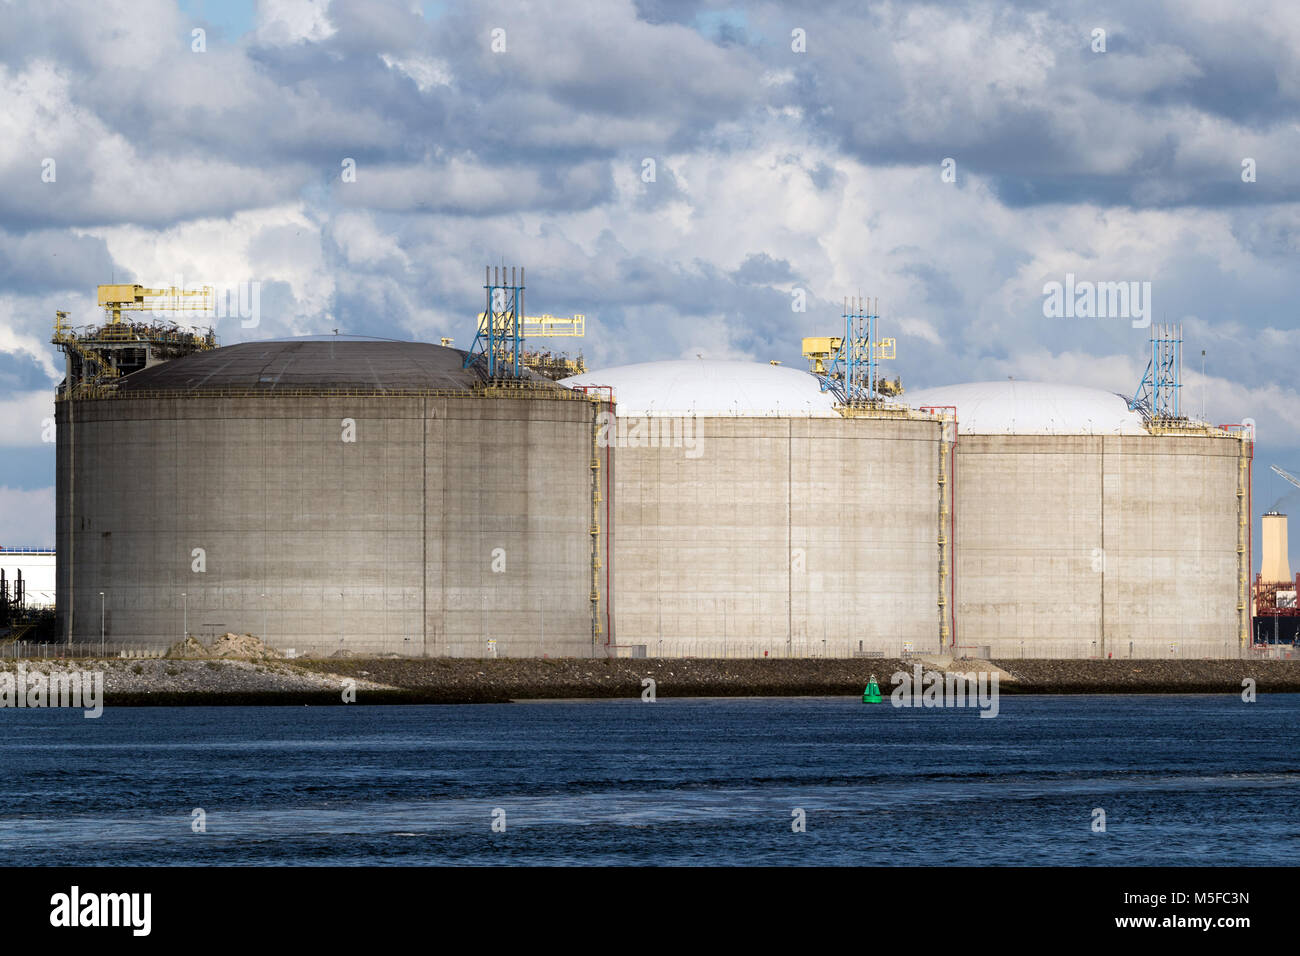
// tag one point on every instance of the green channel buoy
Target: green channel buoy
(872, 694)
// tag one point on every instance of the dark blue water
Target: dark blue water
(1183, 780)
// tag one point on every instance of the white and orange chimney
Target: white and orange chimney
(1276, 566)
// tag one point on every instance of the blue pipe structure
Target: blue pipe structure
(1159, 394)
(498, 342)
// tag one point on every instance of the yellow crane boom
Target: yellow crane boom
(823, 349)
(546, 326)
(117, 299)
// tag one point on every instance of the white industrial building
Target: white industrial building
(36, 566)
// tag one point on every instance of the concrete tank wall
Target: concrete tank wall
(382, 545)
(776, 535)
(1097, 545)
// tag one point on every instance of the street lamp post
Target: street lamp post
(185, 616)
(265, 617)
(101, 623)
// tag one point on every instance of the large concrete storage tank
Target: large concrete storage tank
(362, 496)
(1082, 531)
(751, 517)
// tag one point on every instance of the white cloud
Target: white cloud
(918, 328)
(1111, 373)
(12, 340)
(776, 77)
(24, 418)
(27, 517)
(100, 172)
(283, 22)
(824, 166)
(427, 72)
(276, 244)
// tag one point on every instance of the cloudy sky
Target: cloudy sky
(793, 147)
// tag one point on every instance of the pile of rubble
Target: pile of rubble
(230, 645)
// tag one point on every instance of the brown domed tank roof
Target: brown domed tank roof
(368, 364)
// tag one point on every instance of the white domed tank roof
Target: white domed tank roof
(1033, 408)
(712, 388)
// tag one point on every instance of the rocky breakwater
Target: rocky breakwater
(448, 680)
(1149, 676)
(480, 681)
(233, 669)
(240, 669)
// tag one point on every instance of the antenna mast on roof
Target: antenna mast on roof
(1159, 394)
(497, 343)
(848, 366)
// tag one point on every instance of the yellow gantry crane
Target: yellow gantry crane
(822, 351)
(117, 299)
(98, 355)
(545, 326)
(850, 372)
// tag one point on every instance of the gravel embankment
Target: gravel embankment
(479, 681)
(163, 681)
(461, 680)
(1149, 676)
(444, 681)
